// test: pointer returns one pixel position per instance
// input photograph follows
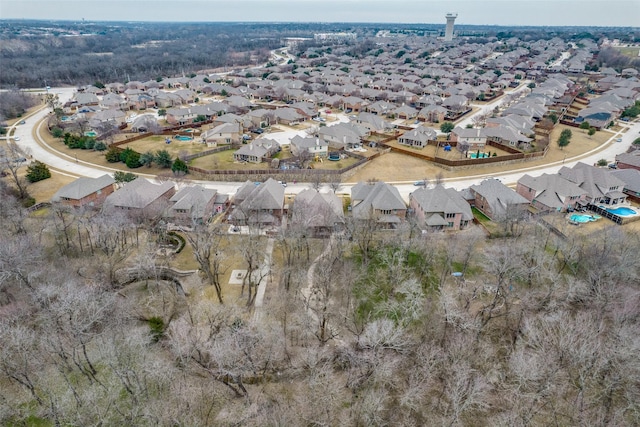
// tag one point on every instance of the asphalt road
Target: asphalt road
(68, 165)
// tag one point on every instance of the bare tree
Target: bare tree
(207, 242)
(11, 160)
(463, 148)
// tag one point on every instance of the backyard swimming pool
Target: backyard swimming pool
(622, 211)
(581, 218)
(184, 138)
(481, 156)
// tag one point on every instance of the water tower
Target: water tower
(448, 32)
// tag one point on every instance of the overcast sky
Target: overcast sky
(491, 12)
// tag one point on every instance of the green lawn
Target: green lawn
(482, 218)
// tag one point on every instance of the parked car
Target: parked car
(613, 166)
(257, 131)
(619, 140)
(419, 183)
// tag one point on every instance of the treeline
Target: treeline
(15, 103)
(614, 58)
(126, 52)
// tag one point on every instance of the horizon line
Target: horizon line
(82, 20)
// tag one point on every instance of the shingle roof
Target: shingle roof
(268, 195)
(316, 209)
(379, 196)
(498, 195)
(630, 177)
(551, 190)
(138, 194)
(595, 181)
(193, 199)
(440, 200)
(82, 187)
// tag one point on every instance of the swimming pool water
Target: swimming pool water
(581, 218)
(184, 138)
(623, 211)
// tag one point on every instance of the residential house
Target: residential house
(112, 100)
(140, 101)
(551, 193)
(321, 213)
(115, 117)
(192, 204)
(476, 138)
(261, 204)
(440, 208)
(166, 99)
(628, 160)
(211, 110)
(601, 186)
(496, 200)
(353, 104)
(224, 134)
(315, 146)
(115, 87)
(507, 136)
(187, 96)
(380, 108)
(405, 112)
(373, 122)
(378, 201)
(432, 114)
(256, 151)
(521, 124)
(456, 103)
(343, 135)
(82, 98)
(598, 117)
(85, 191)
(418, 137)
(141, 196)
(145, 123)
(239, 103)
(530, 107)
(180, 116)
(289, 116)
(631, 179)
(261, 117)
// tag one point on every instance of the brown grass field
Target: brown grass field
(398, 167)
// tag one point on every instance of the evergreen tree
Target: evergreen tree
(37, 171)
(163, 159)
(179, 167)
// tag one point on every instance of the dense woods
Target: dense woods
(36, 54)
(369, 331)
(15, 103)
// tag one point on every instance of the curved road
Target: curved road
(65, 164)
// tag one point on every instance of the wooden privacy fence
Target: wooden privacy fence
(515, 155)
(283, 172)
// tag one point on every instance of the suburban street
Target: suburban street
(68, 165)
